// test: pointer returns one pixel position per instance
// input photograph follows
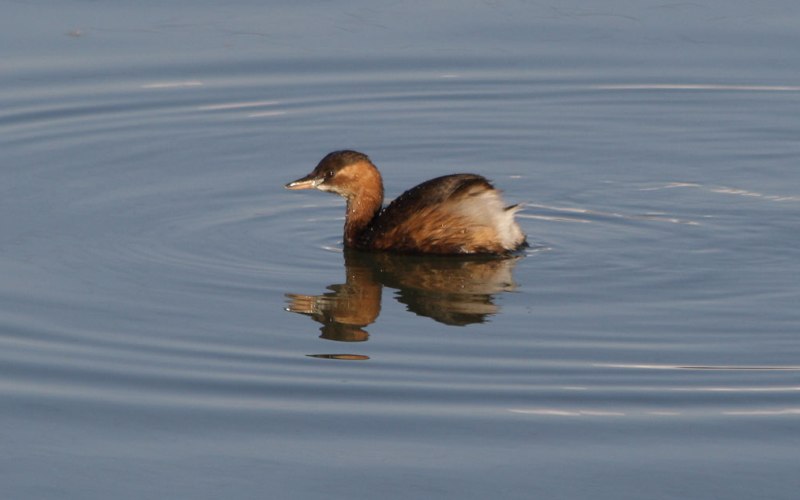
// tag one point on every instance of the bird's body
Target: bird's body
(452, 214)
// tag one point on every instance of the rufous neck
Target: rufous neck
(361, 208)
(362, 186)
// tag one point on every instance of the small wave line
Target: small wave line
(699, 86)
(699, 367)
(236, 105)
(172, 85)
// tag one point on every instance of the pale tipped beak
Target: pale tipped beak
(307, 182)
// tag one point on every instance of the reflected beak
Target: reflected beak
(307, 182)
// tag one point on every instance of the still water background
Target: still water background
(645, 346)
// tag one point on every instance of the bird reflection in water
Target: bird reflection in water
(451, 290)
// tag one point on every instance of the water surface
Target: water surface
(175, 324)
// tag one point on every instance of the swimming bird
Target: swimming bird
(452, 214)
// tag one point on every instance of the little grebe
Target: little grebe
(453, 214)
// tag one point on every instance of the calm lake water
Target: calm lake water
(175, 324)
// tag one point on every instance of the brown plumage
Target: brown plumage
(453, 214)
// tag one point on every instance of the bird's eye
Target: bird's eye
(329, 174)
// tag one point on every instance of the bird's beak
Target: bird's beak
(307, 182)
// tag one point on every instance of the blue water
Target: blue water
(175, 324)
